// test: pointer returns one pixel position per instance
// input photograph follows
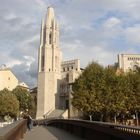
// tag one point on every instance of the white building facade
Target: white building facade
(128, 62)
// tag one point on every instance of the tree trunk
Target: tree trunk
(115, 120)
(137, 119)
(90, 117)
(101, 119)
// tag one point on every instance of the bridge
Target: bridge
(66, 129)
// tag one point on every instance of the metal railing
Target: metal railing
(96, 130)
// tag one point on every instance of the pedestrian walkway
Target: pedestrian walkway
(49, 133)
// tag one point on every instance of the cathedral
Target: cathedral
(128, 62)
(54, 75)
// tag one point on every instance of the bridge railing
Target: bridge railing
(125, 128)
(14, 131)
(96, 130)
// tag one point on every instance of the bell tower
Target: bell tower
(49, 66)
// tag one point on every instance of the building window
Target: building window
(49, 69)
(50, 38)
(63, 69)
(76, 69)
(8, 78)
(68, 68)
(42, 59)
(71, 67)
(135, 67)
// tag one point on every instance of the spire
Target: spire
(50, 16)
(49, 30)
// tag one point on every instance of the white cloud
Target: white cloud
(13, 63)
(10, 16)
(132, 34)
(91, 29)
(112, 22)
(29, 60)
(41, 3)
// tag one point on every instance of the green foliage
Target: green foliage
(100, 90)
(24, 98)
(9, 104)
(87, 89)
(32, 109)
(134, 94)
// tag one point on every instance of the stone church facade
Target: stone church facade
(128, 62)
(54, 75)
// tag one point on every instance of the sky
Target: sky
(90, 30)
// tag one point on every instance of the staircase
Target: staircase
(57, 113)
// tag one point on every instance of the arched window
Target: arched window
(50, 38)
(135, 67)
(42, 59)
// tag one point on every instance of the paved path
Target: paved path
(49, 133)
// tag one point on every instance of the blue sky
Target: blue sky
(89, 30)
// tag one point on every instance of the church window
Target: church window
(42, 59)
(63, 69)
(76, 69)
(50, 38)
(135, 67)
(71, 67)
(49, 69)
(42, 63)
(68, 68)
(44, 36)
(67, 77)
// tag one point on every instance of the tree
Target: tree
(111, 95)
(87, 89)
(101, 90)
(107, 96)
(117, 96)
(134, 95)
(24, 98)
(9, 105)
